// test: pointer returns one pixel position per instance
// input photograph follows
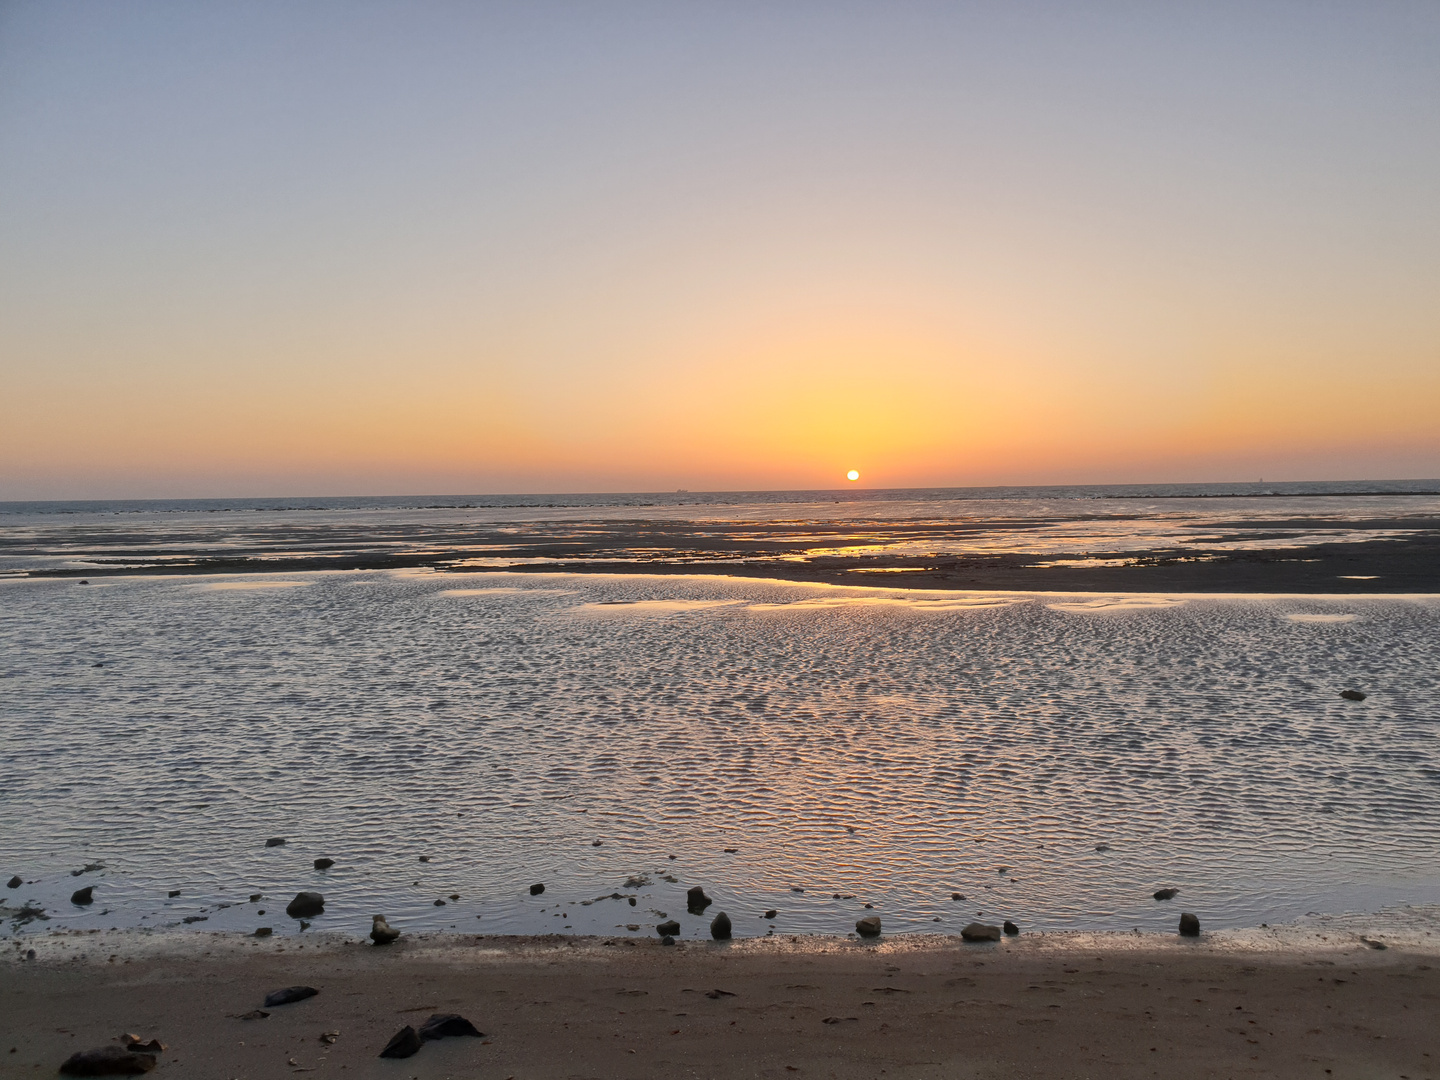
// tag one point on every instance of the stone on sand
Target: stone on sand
(381, 932)
(979, 931)
(1010, 928)
(447, 1025)
(289, 995)
(668, 929)
(720, 927)
(1189, 925)
(107, 1061)
(868, 926)
(14, 883)
(305, 905)
(536, 889)
(403, 1044)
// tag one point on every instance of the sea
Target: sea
(807, 754)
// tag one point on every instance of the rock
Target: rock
(720, 927)
(667, 940)
(254, 1014)
(596, 843)
(324, 864)
(439, 903)
(403, 1044)
(1010, 928)
(696, 901)
(194, 919)
(668, 929)
(632, 926)
(289, 995)
(14, 883)
(83, 896)
(382, 933)
(173, 893)
(108, 1061)
(305, 905)
(84, 582)
(1165, 894)
(143, 1046)
(264, 931)
(636, 881)
(1189, 925)
(632, 901)
(1352, 695)
(536, 889)
(447, 1025)
(979, 931)
(255, 897)
(772, 913)
(424, 858)
(88, 868)
(957, 896)
(275, 841)
(1102, 847)
(868, 926)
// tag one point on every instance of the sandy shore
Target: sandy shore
(1320, 1002)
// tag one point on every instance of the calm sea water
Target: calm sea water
(1053, 759)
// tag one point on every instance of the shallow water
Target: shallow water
(886, 747)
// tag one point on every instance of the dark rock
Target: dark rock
(868, 926)
(439, 903)
(14, 883)
(264, 931)
(732, 851)
(720, 927)
(194, 919)
(667, 940)
(83, 896)
(260, 911)
(536, 889)
(668, 929)
(1102, 847)
(83, 582)
(1010, 928)
(979, 931)
(88, 868)
(289, 995)
(255, 897)
(447, 1025)
(108, 1061)
(1352, 695)
(696, 901)
(404, 1044)
(143, 1046)
(1165, 894)
(596, 843)
(382, 933)
(424, 858)
(716, 995)
(305, 905)
(29, 954)
(324, 864)
(772, 913)
(1189, 925)
(957, 896)
(173, 893)
(254, 1014)
(275, 841)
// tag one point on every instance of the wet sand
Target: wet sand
(1284, 556)
(1248, 1003)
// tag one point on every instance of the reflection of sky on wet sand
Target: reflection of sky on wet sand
(887, 746)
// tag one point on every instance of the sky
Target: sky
(256, 249)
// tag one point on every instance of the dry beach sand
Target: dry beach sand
(1323, 1000)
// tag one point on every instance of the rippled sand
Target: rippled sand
(1053, 759)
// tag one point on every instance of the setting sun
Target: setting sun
(853, 474)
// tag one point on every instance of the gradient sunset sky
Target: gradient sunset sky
(334, 248)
